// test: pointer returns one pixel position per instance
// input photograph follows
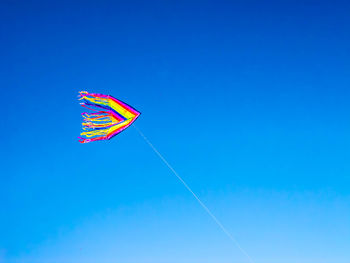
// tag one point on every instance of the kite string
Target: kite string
(195, 196)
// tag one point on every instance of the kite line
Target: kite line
(195, 196)
(107, 117)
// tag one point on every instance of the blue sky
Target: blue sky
(248, 100)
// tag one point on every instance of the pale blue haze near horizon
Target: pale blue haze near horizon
(248, 100)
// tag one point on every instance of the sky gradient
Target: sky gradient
(247, 100)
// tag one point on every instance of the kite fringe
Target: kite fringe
(95, 124)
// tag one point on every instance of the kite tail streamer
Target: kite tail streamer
(107, 116)
(95, 124)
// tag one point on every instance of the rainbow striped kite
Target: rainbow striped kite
(112, 116)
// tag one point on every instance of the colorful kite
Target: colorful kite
(110, 118)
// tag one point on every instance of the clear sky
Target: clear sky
(248, 100)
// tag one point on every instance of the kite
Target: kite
(107, 116)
